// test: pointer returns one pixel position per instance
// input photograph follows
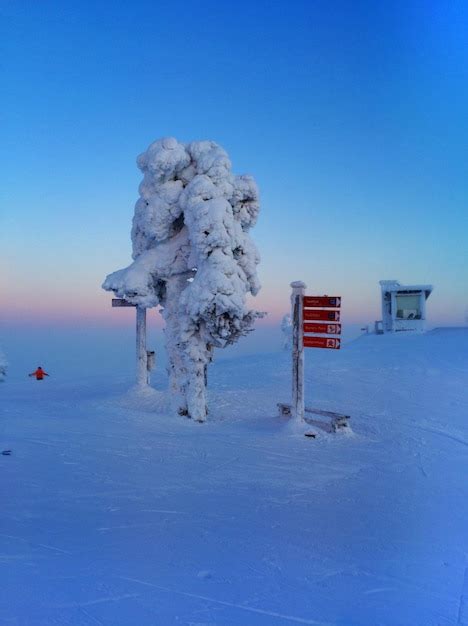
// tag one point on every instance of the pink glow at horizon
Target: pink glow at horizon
(74, 309)
(98, 312)
(84, 303)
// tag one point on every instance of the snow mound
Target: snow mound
(144, 398)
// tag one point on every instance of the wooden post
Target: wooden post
(297, 404)
(144, 362)
(150, 364)
(141, 354)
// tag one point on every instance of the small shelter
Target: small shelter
(403, 307)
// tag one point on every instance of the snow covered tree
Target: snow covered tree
(194, 257)
(3, 366)
(286, 329)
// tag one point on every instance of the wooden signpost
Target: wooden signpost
(145, 359)
(316, 308)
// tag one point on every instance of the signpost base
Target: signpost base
(302, 429)
(338, 421)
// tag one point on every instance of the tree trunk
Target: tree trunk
(176, 369)
(196, 358)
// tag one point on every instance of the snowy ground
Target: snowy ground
(116, 516)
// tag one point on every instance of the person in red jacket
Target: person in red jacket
(39, 373)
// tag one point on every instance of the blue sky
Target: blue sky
(350, 115)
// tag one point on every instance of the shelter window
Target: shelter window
(408, 307)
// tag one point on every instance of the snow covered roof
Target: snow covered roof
(395, 286)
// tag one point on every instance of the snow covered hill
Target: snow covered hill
(114, 514)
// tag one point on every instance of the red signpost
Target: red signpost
(310, 313)
(323, 329)
(333, 302)
(322, 342)
(320, 314)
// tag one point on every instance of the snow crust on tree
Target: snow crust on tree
(286, 329)
(3, 366)
(193, 256)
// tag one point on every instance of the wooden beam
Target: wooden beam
(119, 302)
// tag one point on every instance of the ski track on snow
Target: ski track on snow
(290, 618)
